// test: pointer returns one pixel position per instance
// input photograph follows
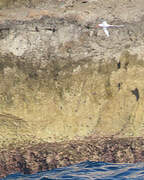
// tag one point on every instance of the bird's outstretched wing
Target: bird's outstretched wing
(106, 31)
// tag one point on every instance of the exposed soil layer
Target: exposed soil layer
(61, 77)
(46, 156)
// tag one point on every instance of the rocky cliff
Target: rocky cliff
(61, 78)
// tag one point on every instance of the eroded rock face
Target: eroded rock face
(63, 78)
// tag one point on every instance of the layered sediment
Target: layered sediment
(62, 79)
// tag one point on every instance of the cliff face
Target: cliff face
(62, 78)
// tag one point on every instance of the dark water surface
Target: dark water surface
(88, 170)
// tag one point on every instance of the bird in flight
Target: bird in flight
(105, 27)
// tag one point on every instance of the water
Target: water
(88, 170)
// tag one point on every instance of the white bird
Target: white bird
(105, 27)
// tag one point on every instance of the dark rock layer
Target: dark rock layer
(46, 156)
